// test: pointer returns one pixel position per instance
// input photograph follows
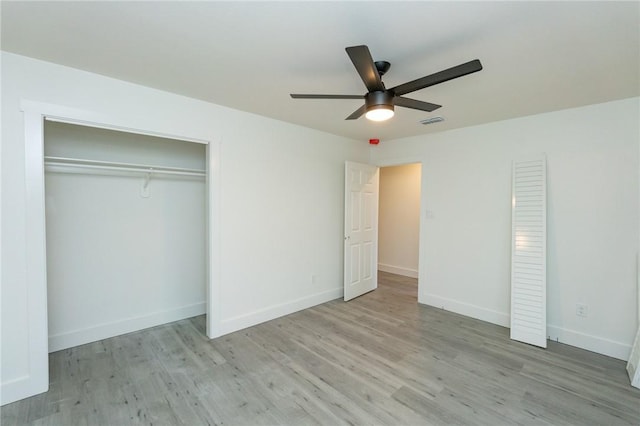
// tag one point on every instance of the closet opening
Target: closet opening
(126, 232)
(36, 114)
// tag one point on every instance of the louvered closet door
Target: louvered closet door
(528, 252)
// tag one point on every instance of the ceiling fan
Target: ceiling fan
(379, 101)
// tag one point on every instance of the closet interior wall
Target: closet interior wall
(126, 232)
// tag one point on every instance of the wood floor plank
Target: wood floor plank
(380, 359)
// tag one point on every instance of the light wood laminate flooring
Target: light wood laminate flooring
(379, 359)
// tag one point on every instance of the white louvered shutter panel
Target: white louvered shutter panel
(529, 252)
(633, 365)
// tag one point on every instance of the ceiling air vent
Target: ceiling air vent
(432, 120)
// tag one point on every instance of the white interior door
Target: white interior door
(360, 229)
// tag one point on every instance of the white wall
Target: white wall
(119, 260)
(399, 219)
(281, 198)
(592, 162)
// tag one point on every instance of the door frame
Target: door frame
(35, 114)
(423, 213)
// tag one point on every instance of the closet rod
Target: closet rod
(78, 163)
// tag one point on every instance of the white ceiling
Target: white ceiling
(537, 56)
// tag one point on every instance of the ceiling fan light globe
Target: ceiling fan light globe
(379, 114)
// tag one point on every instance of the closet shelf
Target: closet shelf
(75, 165)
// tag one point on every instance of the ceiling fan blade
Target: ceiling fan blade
(309, 96)
(361, 58)
(357, 113)
(437, 78)
(415, 104)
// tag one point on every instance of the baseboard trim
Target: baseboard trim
(116, 328)
(589, 342)
(406, 272)
(466, 309)
(276, 311)
(21, 388)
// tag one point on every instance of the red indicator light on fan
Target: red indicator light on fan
(374, 141)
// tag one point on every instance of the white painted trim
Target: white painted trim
(276, 311)
(1, 207)
(589, 342)
(399, 270)
(213, 241)
(467, 309)
(570, 337)
(16, 389)
(128, 325)
(35, 113)
(36, 273)
(37, 379)
(120, 128)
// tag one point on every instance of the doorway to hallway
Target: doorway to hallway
(399, 223)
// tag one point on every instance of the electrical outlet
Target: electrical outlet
(582, 310)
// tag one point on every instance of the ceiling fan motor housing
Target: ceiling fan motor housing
(374, 100)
